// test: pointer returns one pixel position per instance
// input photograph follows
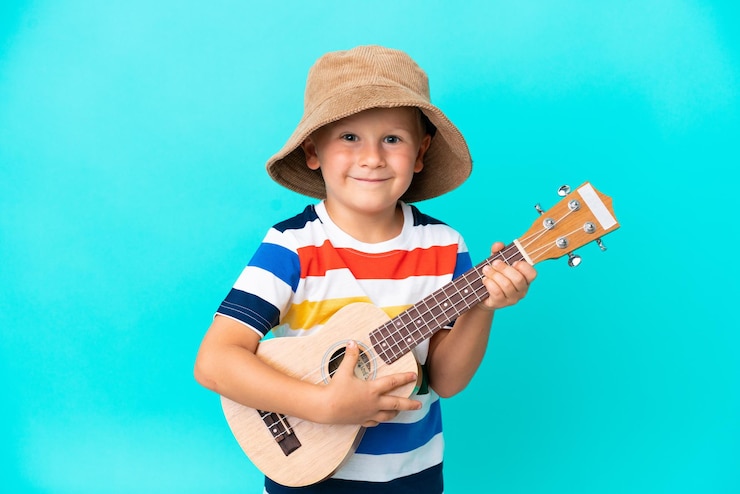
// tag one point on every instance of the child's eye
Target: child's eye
(392, 139)
(349, 137)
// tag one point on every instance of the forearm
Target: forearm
(455, 355)
(241, 376)
(226, 363)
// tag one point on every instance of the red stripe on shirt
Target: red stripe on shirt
(395, 264)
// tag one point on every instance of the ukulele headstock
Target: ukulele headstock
(583, 216)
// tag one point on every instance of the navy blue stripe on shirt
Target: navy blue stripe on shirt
(427, 481)
(250, 309)
(389, 437)
(298, 221)
(421, 219)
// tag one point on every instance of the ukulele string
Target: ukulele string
(537, 254)
(528, 241)
(544, 231)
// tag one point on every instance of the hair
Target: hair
(426, 124)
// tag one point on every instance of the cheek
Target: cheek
(412, 162)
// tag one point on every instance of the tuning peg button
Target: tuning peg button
(564, 190)
(600, 244)
(539, 208)
(573, 260)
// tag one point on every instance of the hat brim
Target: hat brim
(447, 162)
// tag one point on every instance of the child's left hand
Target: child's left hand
(506, 284)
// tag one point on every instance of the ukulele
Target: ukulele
(296, 452)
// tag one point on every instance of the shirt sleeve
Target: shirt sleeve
(265, 287)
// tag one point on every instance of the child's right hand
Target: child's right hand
(351, 400)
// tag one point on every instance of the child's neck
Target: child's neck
(368, 227)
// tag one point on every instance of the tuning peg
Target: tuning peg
(573, 260)
(564, 190)
(539, 208)
(600, 244)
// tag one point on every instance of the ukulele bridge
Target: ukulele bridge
(281, 431)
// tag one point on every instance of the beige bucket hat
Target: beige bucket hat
(343, 83)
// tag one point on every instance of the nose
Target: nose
(371, 155)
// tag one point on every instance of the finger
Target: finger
(386, 384)
(390, 406)
(527, 270)
(502, 279)
(499, 292)
(503, 291)
(521, 275)
(349, 362)
(497, 246)
(518, 274)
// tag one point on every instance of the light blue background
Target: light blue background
(132, 191)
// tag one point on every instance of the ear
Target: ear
(312, 157)
(423, 147)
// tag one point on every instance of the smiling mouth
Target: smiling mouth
(369, 180)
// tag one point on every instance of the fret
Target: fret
(396, 347)
(454, 295)
(417, 320)
(435, 310)
(395, 343)
(509, 255)
(405, 319)
(415, 323)
(425, 310)
(380, 340)
(466, 290)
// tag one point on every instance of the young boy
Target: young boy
(369, 143)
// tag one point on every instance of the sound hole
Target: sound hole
(363, 369)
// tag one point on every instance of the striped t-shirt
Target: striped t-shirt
(305, 270)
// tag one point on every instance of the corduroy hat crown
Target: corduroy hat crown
(343, 83)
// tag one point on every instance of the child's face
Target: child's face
(368, 159)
